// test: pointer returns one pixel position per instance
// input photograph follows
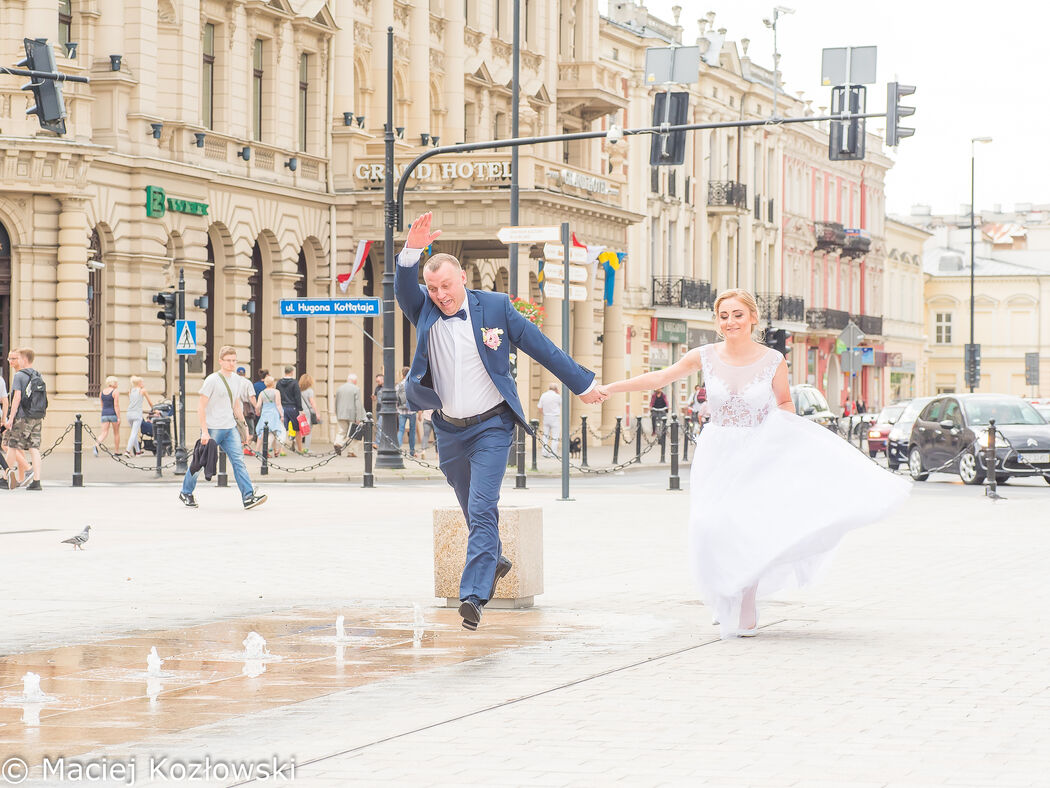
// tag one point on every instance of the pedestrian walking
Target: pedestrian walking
(12, 471)
(375, 410)
(349, 413)
(218, 410)
(549, 406)
(658, 410)
(461, 369)
(109, 399)
(308, 409)
(291, 401)
(136, 394)
(268, 408)
(6, 473)
(260, 381)
(757, 470)
(406, 417)
(246, 428)
(426, 420)
(25, 419)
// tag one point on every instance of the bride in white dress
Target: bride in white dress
(772, 493)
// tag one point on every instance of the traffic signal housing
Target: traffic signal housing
(895, 132)
(846, 140)
(669, 149)
(166, 300)
(49, 106)
(777, 338)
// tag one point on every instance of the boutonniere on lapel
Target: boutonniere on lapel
(491, 337)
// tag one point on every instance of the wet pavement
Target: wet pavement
(919, 661)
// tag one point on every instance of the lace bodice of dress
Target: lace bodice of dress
(739, 396)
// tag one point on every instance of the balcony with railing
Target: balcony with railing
(683, 292)
(830, 236)
(834, 319)
(774, 306)
(870, 325)
(722, 195)
(858, 243)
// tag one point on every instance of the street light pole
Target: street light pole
(777, 12)
(972, 362)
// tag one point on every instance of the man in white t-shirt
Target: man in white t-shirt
(550, 407)
(219, 410)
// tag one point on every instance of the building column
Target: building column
(71, 309)
(583, 349)
(454, 65)
(418, 119)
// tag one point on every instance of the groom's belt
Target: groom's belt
(470, 421)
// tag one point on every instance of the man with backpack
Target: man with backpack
(28, 408)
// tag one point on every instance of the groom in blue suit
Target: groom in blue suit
(461, 370)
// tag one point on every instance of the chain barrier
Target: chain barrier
(598, 471)
(54, 445)
(404, 454)
(1045, 472)
(119, 458)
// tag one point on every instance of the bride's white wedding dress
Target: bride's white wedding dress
(772, 493)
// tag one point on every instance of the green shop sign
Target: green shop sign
(157, 203)
(674, 331)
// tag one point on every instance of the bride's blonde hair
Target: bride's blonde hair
(744, 297)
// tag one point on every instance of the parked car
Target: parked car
(900, 435)
(811, 404)
(952, 429)
(1043, 408)
(879, 431)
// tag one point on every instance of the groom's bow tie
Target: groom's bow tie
(461, 314)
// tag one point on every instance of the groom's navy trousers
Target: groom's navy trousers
(474, 460)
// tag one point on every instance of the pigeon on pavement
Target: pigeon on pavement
(79, 539)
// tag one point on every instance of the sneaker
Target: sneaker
(28, 480)
(12, 478)
(35, 486)
(254, 500)
(188, 499)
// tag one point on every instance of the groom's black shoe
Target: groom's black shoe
(470, 610)
(502, 568)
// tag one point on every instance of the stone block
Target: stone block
(520, 530)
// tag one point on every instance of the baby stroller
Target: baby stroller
(161, 412)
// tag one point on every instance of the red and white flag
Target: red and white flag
(344, 280)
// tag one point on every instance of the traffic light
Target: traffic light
(894, 112)
(777, 339)
(669, 149)
(846, 140)
(166, 300)
(49, 107)
(972, 364)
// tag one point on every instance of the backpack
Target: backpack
(402, 396)
(35, 404)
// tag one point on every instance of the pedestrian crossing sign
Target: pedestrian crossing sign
(185, 337)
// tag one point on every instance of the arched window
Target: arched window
(209, 313)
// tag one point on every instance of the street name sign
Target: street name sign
(331, 307)
(577, 273)
(557, 290)
(528, 235)
(557, 252)
(185, 337)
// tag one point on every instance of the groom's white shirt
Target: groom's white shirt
(460, 377)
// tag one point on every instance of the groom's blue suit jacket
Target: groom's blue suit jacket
(487, 310)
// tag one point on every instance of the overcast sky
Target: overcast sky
(981, 69)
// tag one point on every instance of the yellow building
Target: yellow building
(904, 326)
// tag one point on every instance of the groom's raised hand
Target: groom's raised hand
(419, 234)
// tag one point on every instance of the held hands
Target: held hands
(419, 235)
(595, 395)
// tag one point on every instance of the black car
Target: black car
(951, 433)
(810, 404)
(899, 437)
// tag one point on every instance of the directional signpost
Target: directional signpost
(577, 273)
(552, 252)
(185, 337)
(853, 363)
(331, 307)
(528, 235)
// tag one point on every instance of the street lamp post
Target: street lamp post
(972, 361)
(777, 13)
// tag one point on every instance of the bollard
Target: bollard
(519, 445)
(535, 424)
(78, 453)
(222, 480)
(265, 469)
(989, 463)
(583, 442)
(663, 440)
(687, 429)
(616, 440)
(676, 483)
(369, 479)
(638, 440)
(160, 428)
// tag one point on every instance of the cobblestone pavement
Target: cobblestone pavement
(920, 660)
